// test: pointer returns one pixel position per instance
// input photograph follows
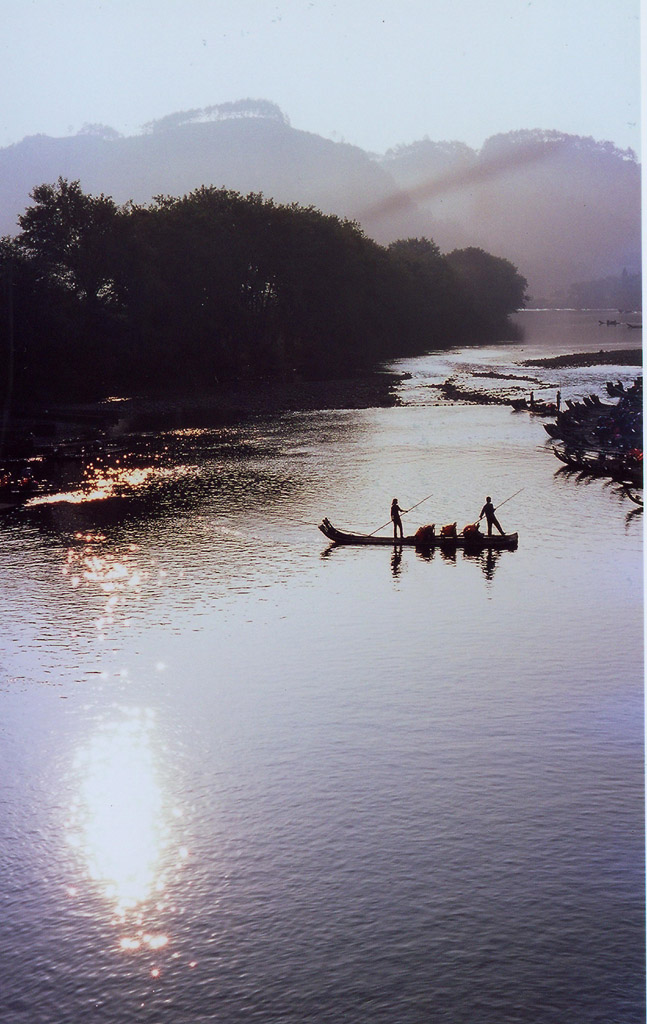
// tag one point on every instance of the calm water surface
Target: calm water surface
(250, 777)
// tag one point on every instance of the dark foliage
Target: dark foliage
(219, 286)
(489, 287)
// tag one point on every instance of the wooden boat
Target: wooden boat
(536, 407)
(475, 542)
(594, 402)
(623, 467)
(542, 408)
(553, 429)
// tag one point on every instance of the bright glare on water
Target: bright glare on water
(248, 776)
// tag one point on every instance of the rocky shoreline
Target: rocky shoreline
(28, 428)
(35, 442)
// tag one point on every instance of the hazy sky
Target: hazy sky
(375, 73)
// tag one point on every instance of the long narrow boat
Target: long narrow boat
(474, 543)
(621, 466)
(553, 429)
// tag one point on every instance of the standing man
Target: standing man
(396, 511)
(488, 512)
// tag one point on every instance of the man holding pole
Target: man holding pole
(488, 511)
(395, 518)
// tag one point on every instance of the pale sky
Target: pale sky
(375, 73)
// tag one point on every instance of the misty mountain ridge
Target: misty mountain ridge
(562, 208)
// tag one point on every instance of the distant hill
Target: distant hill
(564, 209)
(259, 152)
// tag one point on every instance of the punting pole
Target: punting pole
(504, 502)
(510, 498)
(404, 514)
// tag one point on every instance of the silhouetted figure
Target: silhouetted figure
(488, 512)
(395, 518)
(532, 399)
(558, 400)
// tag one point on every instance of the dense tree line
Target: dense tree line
(215, 286)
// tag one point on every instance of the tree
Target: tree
(66, 234)
(219, 285)
(429, 285)
(491, 287)
(99, 131)
(67, 240)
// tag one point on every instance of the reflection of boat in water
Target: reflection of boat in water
(634, 497)
(475, 542)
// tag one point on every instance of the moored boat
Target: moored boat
(475, 541)
(625, 467)
(553, 429)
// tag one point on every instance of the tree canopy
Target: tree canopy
(217, 285)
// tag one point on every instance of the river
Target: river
(250, 777)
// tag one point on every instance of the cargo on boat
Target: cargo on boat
(472, 541)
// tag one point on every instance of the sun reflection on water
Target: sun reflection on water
(114, 577)
(105, 482)
(120, 809)
(121, 828)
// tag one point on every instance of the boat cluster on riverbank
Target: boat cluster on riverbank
(593, 436)
(603, 438)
